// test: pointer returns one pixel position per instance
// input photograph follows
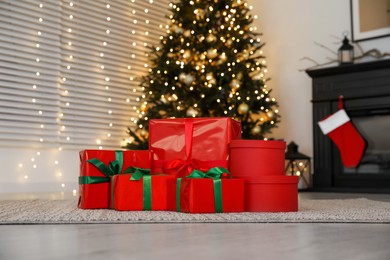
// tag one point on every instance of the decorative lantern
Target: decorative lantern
(298, 164)
(345, 52)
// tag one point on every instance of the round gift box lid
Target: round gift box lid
(273, 179)
(271, 144)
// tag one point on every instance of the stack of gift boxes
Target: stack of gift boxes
(193, 165)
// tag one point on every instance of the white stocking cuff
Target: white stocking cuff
(334, 121)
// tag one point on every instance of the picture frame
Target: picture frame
(370, 19)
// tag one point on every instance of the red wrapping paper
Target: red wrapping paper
(128, 194)
(97, 196)
(256, 158)
(197, 195)
(271, 194)
(183, 144)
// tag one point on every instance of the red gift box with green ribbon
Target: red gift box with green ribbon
(139, 190)
(96, 168)
(207, 192)
(180, 145)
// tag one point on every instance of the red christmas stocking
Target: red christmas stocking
(350, 143)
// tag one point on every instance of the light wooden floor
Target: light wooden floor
(198, 241)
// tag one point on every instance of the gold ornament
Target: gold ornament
(260, 116)
(192, 112)
(199, 14)
(211, 38)
(189, 79)
(162, 113)
(212, 53)
(163, 99)
(186, 78)
(144, 108)
(263, 116)
(177, 29)
(256, 130)
(222, 58)
(243, 108)
(210, 78)
(245, 55)
(144, 133)
(187, 54)
(235, 84)
(257, 76)
(229, 42)
(182, 77)
(270, 114)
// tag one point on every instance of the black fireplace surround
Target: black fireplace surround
(365, 88)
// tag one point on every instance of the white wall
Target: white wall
(290, 29)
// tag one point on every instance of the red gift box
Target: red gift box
(148, 193)
(271, 194)
(96, 195)
(255, 158)
(183, 144)
(198, 195)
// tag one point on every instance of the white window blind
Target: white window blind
(70, 70)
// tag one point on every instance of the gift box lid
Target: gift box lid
(270, 144)
(273, 179)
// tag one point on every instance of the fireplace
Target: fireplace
(365, 88)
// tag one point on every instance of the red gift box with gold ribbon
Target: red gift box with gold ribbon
(96, 168)
(181, 145)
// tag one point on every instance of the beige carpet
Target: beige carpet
(39, 211)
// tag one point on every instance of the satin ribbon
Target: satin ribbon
(215, 174)
(178, 166)
(113, 168)
(136, 175)
(139, 173)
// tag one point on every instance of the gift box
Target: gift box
(183, 144)
(201, 194)
(255, 158)
(96, 167)
(271, 194)
(150, 192)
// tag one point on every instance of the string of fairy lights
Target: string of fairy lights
(105, 44)
(140, 36)
(40, 112)
(34, 100)
(68, 59)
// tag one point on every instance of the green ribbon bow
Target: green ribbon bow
(215, 174)
(113, 168)
(136, 175)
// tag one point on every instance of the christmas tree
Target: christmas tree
(209, 64)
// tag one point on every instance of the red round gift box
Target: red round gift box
(255, 158)
(271, 194)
